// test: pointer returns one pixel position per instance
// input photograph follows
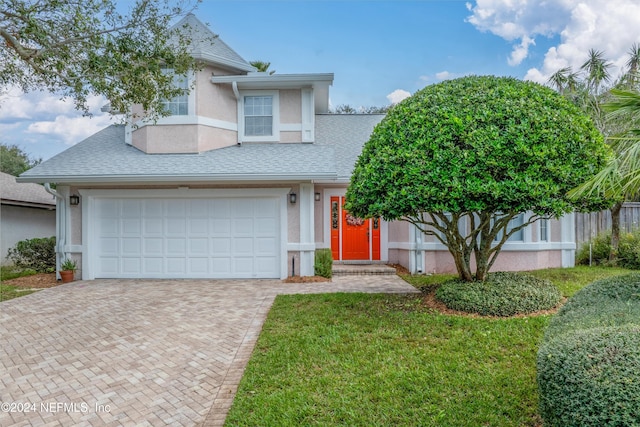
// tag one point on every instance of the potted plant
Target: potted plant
(67, 269)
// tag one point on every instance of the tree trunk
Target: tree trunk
(462, 265)
(615, 231)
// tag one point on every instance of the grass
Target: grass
(8, 292)
(377, 360)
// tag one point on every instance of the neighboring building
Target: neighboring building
(245, 180)
(26, 211)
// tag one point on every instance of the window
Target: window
(179, 105)
(544, 230)
(258, 115)
(518, 236)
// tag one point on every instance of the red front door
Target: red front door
(359, 239)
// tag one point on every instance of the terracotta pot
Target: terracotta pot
(66, 276)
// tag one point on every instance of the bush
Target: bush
(502, 294)
(628, 250)
(589, 363)
(591, 378)
(323, 264)
(38, 254)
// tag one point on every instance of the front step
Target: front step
(362, 270)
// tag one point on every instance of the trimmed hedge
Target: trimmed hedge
(323, 263)
(501, 294)
(589, 362)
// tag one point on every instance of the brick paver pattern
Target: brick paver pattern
(139, 352)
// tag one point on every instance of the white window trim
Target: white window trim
(275, 137)
(191, 100)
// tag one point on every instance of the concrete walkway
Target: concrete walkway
(139, 352)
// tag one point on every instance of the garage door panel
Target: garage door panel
(265, 245)
(176, 246)
(109, 266)
(221, 246)
(153, 208)
(243, 265)
(199, 227)
(153, 246)
(176, 265)
(176, 208)
(198, 247)
(153, 226)
(183, 238)
(131, 266)
(131, 246)
(109, 246)
(221, 227)
(131, 208)
(199, 265)
(108, 226)
(176, 226)
(153, 266)
(242, 226)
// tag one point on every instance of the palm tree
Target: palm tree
(262, 66)
(564, 80)
(632, 76)
(597, 69)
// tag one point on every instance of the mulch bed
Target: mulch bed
(36, 281)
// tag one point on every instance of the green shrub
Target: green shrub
(589, 363)
(591, 378)
(323, 264)
(628, 250)
(605, 303)
(502, 294)
(38, 254)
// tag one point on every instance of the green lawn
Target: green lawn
(8, 292)
(378, 360)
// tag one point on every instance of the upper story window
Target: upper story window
(259, 116)
(179, 105)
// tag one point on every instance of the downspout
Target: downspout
(61, 231)
(234, 87)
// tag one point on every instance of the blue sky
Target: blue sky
(375, 49)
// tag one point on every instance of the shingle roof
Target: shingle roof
(12, 192)
(208, 46)
(105, 157)
(347, 133)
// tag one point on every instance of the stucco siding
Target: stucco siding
(215, 101)
(19, 223)
(290, 106)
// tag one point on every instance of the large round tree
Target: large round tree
(462, 158)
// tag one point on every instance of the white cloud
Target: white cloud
(398, 95)
(444, 75)
(520, 52)
(607, 25)
(70, 129)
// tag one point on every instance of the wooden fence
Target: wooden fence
(588, 225)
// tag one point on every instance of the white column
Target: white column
(568, 236)
(307, 241)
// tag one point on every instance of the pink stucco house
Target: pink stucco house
(244, 180)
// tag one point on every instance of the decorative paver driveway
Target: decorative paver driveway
(139, 352)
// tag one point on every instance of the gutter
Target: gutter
(164, 179)
(61, 228)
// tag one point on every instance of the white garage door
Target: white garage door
(187, 238)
